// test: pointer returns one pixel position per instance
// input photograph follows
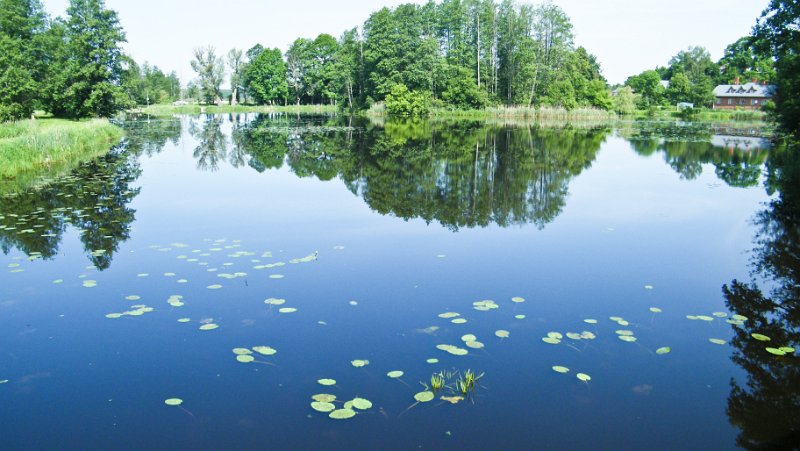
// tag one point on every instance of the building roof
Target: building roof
(747, 90)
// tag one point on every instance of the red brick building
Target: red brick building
(749, 96)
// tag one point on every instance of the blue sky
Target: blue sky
(627, 36)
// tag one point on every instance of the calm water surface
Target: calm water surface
(371, 232)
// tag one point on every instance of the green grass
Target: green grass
(163, 110)
(33, 150)
(528, 113)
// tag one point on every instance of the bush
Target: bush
(402, 102)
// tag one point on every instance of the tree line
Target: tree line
(456, 53)
(72, 67)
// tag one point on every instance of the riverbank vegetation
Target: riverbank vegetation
(31, 150)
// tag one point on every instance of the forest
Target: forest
(454, 54)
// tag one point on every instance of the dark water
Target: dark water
(393, 225)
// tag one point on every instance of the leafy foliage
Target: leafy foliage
(403, 102)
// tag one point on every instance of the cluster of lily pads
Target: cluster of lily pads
(277, 301)
(324, 403)
(136, 310)
(245, 355)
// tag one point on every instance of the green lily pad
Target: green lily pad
(432, 361)
(326, 382)
(590, 321)
(560, 369)
(468, 337)
(551, 340)
(739, 317)
(717, 341)
(458, 321)
(323, 407)
(275, 301)
(114, 315)
(359, 363)
(324, 397)
(424, 396)
(502, 333)
(210, 326)
(474, 344)
(342, 414)
(664, 350)
(173, 401)
(583, 377)
(519, 316)
(361, 403)
(573, 336)
(775, 351)
(655, 309)
(245, 358)
(628, 338)
(760, 337)
(264, 350)
(787, 349)
(394, 374)
(242, 351)
(133, 297)
(624, 332)
(184, 320)
(517, 299)
(287, 310)
(447, 315)
(720, 314)
(214, 287)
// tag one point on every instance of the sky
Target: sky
(627, 36)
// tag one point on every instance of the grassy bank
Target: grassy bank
(35, 149)
(527, 113)
(165, 110)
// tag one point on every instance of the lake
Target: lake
(452, 284)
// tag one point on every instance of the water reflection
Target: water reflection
(766, 408)
(737, 159)
(95, 199)
(212, 145)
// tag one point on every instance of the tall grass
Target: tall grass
(35, 149)
(530, 113)
(165, 110)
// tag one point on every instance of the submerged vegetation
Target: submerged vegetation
(31, 150)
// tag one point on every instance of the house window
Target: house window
(730, 101)
(741, 101)
(755, 101)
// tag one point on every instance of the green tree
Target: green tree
(265, 77)
(298, 62)
(349, 68)
(86, 73)
(22, 23)
(648, 86)
(321, 72)
(403, 102)
(778, 30)
(680, 89)
(624, 102)
(210, 71)
(236, 64)
(745, 60)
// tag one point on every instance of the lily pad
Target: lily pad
(628, 338)
(502, 333)
(242, 351)
(468, 337)
(517, 299)
(717, 341)
(432, 361)
(326, 382)
(184, 320)
(664, 350)
(551, 340)
(519, 316)
(655, 309)
(394, 374)
(458, 321)
(287, 310)
(264, 350)
(214, 287)
(583, 377)
(245, 358)
(342, 414)
(787, 349)
(323, 407)
(210, 326)
(359, 363)
(560, 369)
(424, 396)
(324, 397)
(447, 315)
(760, 337)
(361, 403)
(173, 401)
(114, 315)
(474, 344)
(775, 351)
(590, 321)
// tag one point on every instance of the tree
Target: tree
(22, 23)
(321, 74)
(680, 89)
(210, 70)
(778, 30)
(265, 77)
(743, 59)
(624, 101)
(86, 74)
(648, 86)
(236, 63)
(402, 102)
(298, 60)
